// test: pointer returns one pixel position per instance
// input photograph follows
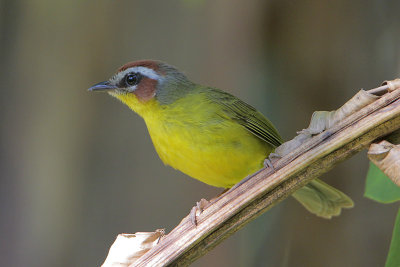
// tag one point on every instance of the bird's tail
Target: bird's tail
(322, 199)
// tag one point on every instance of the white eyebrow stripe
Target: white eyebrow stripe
(142, 70)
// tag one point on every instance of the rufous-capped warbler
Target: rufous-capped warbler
(205, 132)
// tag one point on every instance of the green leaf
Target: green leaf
(379, 187)
(393, 259)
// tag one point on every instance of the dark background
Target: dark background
(78, 168)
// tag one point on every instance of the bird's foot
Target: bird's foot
(198, 209)
(201, 205)
(269, 162)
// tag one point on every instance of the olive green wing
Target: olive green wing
(245, 115)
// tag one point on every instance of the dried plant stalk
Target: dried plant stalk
(256, 194)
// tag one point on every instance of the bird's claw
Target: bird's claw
(200, 206)
(268, 162)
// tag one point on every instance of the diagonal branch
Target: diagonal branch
(258, 193)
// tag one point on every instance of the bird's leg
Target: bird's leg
(201, 205)
(269, 161)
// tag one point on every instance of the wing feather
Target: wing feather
(246, 115)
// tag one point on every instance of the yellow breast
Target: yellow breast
(190, 137)
(219, 152)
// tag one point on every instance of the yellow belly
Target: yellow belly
(219, 155)
(191, 137)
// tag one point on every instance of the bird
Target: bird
(207, 133)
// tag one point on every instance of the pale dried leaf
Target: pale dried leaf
(290, 145)
(357, 102)
(322, 120)
(127, 248)
(386, 157)
(393, 84)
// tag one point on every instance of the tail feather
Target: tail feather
(322, 199)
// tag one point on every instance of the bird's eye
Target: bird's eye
(132, 79)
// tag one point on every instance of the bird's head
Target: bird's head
(146, 81)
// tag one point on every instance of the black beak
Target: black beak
(103, 86)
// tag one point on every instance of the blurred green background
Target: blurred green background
(78, 168)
